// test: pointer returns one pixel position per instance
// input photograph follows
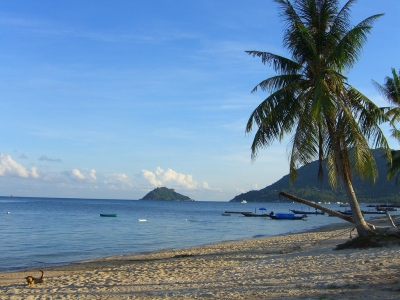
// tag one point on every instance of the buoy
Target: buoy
(8, 213)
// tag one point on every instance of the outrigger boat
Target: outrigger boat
(370, 212)
(249, 214)
(364, 212)
(287, 217)
(301, 212)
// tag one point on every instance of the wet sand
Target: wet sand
(294, 266)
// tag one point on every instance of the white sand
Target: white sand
(297, 266)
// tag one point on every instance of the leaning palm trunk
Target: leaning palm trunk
(344, 174)
(320, 207)
(359, 221)
(317, 206)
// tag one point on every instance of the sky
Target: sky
(110, 99)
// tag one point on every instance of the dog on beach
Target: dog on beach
(32, 280)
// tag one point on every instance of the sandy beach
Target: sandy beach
(295, 266)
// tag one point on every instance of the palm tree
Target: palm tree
(390, 90)
(311, 99)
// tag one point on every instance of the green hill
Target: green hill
(164, 193)
(308, 187)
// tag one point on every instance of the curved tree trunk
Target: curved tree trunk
(359, 221)
(320, 207)
(343, 170)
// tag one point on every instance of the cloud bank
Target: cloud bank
(78, 175)
(9, 167)
(170, 177)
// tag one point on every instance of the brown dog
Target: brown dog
(32, 280)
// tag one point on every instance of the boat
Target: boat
(237, 212)
(287, 217)
(243, 201)
(108, 215)
(142, 220)
(346, 212)
(246, 214)
(371, 212)
(385, 208)
(301, 212)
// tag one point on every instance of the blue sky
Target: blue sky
(109, 99)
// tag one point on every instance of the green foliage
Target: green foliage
(164, 193)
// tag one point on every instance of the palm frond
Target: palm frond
(348, 49)
(280, 64)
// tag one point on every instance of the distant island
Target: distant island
(163, 193)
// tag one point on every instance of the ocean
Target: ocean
(43, 232)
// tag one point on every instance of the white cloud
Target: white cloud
(93, 175)
(122, 177)
(77, 174)
(83, 175)
(206, 185)
(151, 177)
(9, 167)
(162, 176)
(34, 172)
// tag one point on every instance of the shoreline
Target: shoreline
(292, 266)
(120, 257)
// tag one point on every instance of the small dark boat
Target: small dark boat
(108, 215)
(385, 208)
(301, 212)
(371, 212)
(255, 215)
(287, 217)
(345, 212)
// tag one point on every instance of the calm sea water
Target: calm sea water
(41, 232)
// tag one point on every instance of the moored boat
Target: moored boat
(237, 212)
(287, 217)
(301, 212)
(385, 208)
(345, 212)
(254, 215)
(371, 212)
(108, 215)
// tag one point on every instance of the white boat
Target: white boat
(243, 201)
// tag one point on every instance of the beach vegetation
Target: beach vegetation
(390, 90)
(311, 100)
